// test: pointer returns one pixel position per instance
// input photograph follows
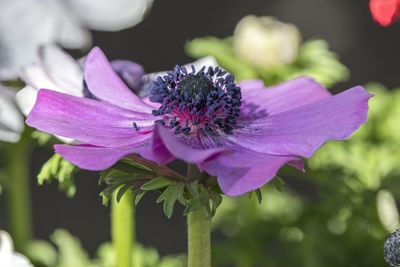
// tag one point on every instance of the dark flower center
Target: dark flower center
(197, 103)
(193, 86)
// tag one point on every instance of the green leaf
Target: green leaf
(138, 197)
(41, 137)
(122, 191)
(57, 168)
(170, 196)
(258, 195)
(159, 182)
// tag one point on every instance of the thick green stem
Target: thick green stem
(122, 223)
(18, 193)
(199, 232)
(199, 239)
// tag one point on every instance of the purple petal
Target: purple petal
(89, 121)
(260, 101)
(92, 158)
(105, 84)
(181, 150)
(242, 171)
(302, 130)
(130, 72)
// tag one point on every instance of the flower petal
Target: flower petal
(260, 101)
(95, 158)
(105, 84)
(92, 158)
(240, 172)
(302, 130)
(181, 150)
(26, 98)
(61, 68)
(110, 15)
(89, 121)
(130, 72)
(11, 121)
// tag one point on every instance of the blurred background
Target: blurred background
(371, 53)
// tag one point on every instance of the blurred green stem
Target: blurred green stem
(199, 232)
(122, 223)
(18, 192)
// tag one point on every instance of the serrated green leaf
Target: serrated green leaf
(57, 168)
(159, 182)
(170, 196)
(193, 189)
(139, 197)
(131, 168)
(122, 191)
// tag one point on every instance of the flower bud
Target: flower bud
(266, 42)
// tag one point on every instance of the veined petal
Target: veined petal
(260, 101)
(240, 172)
(301, 131)
(181, 150)
(89, 121)
(95, 158)
(105, 84)
(92, 158)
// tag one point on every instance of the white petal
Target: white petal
(61, 68)
(9, 258)
(11, 121)
(26, 98)
(27, 24)
(110, 15)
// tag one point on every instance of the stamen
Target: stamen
(205, 103)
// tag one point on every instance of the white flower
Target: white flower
(55, 70)
(266, 42)
(11, 121)
(8, 257)
(27, 24)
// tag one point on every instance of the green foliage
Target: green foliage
(41, 137)
(142, 176)
(314, 60)
(57, 168)
(327, 216)
(68, 252)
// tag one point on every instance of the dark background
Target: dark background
(371, 52)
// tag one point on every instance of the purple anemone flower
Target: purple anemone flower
(242, 133)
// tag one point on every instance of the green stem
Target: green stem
(122, 223)
(18, 192)
(199, 232)
(199, 239)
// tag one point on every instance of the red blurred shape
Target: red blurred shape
(385, 12)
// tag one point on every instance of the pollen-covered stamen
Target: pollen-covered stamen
(197, 103)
